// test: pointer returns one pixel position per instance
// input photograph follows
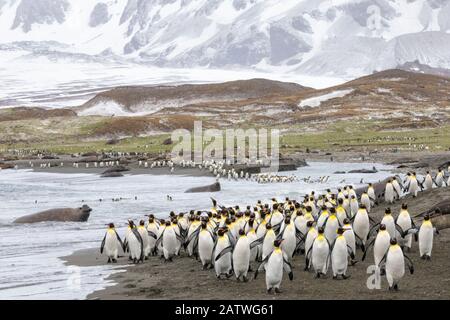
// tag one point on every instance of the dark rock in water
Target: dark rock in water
(211, 188)
(339, 172)
(168, 141)
(421, 165)
(61, 214)
(402, 166)
(6, 166)
(111, 175)
(112, 141)
(116, 169)
(374, 170)
(88, 159)
(90, 154)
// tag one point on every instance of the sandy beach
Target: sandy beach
(184, 278)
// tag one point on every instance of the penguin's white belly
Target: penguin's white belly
(321, 220)
(339, 257)
(331, 229)
(223, 265)
(428, 183)
(253, 252)
(111, 245)
(404, 221)
(350, 239)
(361, 226)
(241, 257)
(366, 202)
(389, 194)
(289, 242)
(274, 270)
(425, 240)
(390, 225)
(169, 243)
(395, 265)
(382, 243)
(413, 187)
(320, 256)
(205, 247)
(134, 246)
(311, 236)
(268, 244)
(144, 235)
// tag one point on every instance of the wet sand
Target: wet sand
(184, 278)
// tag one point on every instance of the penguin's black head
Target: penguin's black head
(192, 212)
(168, 223)
(277, 243)
(311, 199)
(259, 202)
(308, 209)
(204, 224)
(353, 196)
(404, 206)
(382, 226)
(370, 184)
(241, 232)
(268, 226)
(346, 221)
(393, 241)
(275, 206)
(312, 192)
(287, 199)
(324, 208)
(249, 207)
(350, 187)
(339, 189)
(151, 216)
(309, 224)
(328, 190)
(162, 221)
(287, 220)
(340, 201)
(227, 221)
(172, 214)
(181, 214)
(387, 211)
(141, 223)
(394, 178)
(297, 205)
(111, 225)
(210, 214)
(221, 232)
(340, 231)
(252, 215)
(362, 206)
(131, 223)
(333, 210)
(426, 217)
(321, 230)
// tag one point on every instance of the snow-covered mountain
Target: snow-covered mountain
(315, 37)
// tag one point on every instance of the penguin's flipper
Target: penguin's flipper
(226, 250)
(373, 228)
(371, 243)
(192, 236)
(288, 268)
(152, 234)
(214, 201)
(159, 240)
(180, 238)
(300, 236)
(103, 244)
(372, 220)
(383, 260)
(261, 264)
(400, 230)
(409, 263)
(350, 252)
(118, 238)
(257, 242)
(141, 241)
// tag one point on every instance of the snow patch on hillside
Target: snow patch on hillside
(316, 101)
(106, 108)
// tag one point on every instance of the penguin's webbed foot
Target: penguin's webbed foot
(245, 278)
(114, 260)
(345, 277)
(277, 290)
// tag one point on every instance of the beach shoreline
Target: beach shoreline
(185, 279)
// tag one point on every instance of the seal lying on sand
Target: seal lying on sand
(211, 188)
(61, 214)
(440, 209)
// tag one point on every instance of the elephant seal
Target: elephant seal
(61, 214)
(211, 188)
(441, 208)
(378, 187)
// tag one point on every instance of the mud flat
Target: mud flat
(184, 279)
